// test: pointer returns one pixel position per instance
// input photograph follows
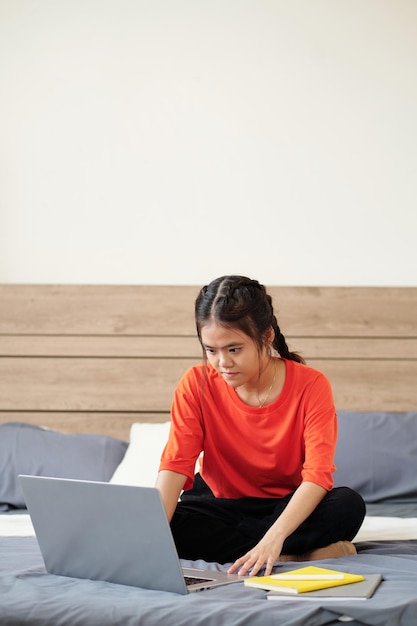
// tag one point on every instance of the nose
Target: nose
(225, 360)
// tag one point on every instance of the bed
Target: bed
(86, 378)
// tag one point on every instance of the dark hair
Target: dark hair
(242, 303)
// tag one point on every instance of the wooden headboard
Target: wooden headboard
(82, 358)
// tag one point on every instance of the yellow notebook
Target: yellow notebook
(308, 578)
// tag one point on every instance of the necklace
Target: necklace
(261, 404)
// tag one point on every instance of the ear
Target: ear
(269, 337)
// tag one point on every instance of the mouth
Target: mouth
(229, 375)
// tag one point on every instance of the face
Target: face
(233, 354)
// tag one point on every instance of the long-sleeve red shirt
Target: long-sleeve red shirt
(250, 451)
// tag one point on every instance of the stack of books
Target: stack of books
(313, 582)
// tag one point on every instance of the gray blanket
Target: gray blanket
(28, 595)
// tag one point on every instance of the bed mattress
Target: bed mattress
(31, 596)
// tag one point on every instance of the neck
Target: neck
(263, 395)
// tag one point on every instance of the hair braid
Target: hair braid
(280, 345)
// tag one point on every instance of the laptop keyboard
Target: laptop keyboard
(192, 580)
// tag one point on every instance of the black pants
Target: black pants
(222, 530)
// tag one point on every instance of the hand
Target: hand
(266, 552)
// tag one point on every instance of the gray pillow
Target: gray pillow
(27, 449)
(376, 455)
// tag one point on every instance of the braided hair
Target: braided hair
(242, 303)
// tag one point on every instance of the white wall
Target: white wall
(172, 141)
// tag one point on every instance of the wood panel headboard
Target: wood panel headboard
(82, 358)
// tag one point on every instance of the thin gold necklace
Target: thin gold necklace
(261, 404)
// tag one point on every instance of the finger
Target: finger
(245, 568)
(258, 565)
(269, 566)
(252, 565)
(237, 564)
(242, 565)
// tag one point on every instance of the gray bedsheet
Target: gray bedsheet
(28, 595)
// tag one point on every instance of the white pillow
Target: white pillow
(140, 464)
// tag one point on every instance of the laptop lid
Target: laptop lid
(104, 531)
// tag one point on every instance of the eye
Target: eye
(234, 350)
(209, 350)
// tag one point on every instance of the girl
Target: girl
(266, 425)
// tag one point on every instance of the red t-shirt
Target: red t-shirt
(249, 451)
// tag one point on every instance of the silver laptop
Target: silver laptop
(116, 533)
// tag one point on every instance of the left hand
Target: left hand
(266, 552)
(303, 502)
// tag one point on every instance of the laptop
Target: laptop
(110, 532)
